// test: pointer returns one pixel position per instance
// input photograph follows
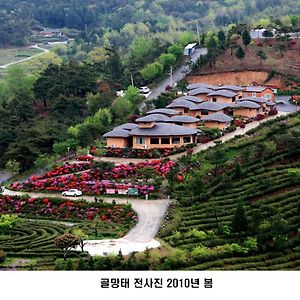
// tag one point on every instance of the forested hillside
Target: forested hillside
(97, 18)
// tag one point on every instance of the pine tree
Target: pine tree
(239, 222)
(262, 56)
(246, 38)
(240, 54)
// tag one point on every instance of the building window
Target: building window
(254, 94)
(176, 140)
(186, 110)
(154, 141)
(204, 112)
(187, 139)
(214, 99)
(268, 96)
(140, 140)
(165, 141)
(233, 99)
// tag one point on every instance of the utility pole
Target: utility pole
(171, 75)
(131, 77)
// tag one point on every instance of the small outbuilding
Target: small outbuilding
(189, 49)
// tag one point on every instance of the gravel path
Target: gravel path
(150, 214)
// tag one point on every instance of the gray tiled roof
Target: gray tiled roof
(270, 103)
(127, 126)
(184, 119)
(117, 133)
(255, 89)
(191, 98)
(254, 99)
(153, 118)
(247, 104)
(214, 106)
(217, 117)
(224, 93)
(197, 85)
(231, 87)
(200, 90)
(163, 129)
(183, 103)
(164, 111)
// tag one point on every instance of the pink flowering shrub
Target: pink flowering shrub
(98, 182)
(60, 209)
(143, 153)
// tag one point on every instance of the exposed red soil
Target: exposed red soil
(229, 70)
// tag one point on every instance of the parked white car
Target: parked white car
(144, 90)
(72, 192)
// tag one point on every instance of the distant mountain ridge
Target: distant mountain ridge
(18, 18)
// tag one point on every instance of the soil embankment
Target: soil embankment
(239, 78)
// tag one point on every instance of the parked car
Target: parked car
(87, 157)
(144, 90)
(72, 192)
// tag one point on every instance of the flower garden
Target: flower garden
(144, 178)
(67, 210)
(145, 153)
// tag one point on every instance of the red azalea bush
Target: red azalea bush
(67, 169)
(98, 182)
(60, 209)
(143, 153)
(259, 117)
(273, 112)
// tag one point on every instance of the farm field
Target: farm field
(12, 55)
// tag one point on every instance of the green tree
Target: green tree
(217, 158)
(132, 94)
(246, 38)
(222, 39)
(167, 59)
(8, 222)
(240, 54)
(233, 42)
(152, 71)
(13, 166)
(122, 109)
(99, 100)
(176, 50)
(81, 235)
(262, 56)
(66, 242)
(239, 222)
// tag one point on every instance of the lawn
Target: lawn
(12, 55)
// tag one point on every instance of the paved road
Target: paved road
(27, 58)
(177, 76)
(5, 176)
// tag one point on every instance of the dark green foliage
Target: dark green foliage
(240, 54)
(239, 221)
(246, 38)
